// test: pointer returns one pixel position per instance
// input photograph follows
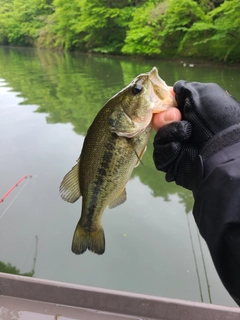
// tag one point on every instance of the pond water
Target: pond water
(47, 102)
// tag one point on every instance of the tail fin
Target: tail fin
(83, 240)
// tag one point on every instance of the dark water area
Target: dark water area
(47, 102)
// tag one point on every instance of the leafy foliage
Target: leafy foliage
(164, 28)
(22, 20)
(218, 36)
(72, 88)
(179, 18)
(144, 34)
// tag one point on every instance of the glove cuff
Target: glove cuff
(220, 141)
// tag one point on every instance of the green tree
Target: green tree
(160, 27)
(93, 26)
(6, 8)
(22, 20)
(102, 25)
(145, 34)
(179, 17)
(219, 35)
(165, 28)
(58, 32)
(209, 5)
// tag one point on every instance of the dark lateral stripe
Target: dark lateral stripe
(102, 173)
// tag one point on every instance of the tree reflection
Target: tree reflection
(72, 89)
(9, 268)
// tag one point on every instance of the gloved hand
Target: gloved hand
(206, 110)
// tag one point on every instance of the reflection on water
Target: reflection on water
(8, 268)
(47, 102)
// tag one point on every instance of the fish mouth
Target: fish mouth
(157, 81)
(160, 93)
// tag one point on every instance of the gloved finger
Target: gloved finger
(182, 91)
(207, 105)
(175, 131)
(168, 143)
(165, 154)
(180, 171)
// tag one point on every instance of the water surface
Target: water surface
(47, 102)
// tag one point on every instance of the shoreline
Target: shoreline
(181, 60)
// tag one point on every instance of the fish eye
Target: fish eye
(137, 89)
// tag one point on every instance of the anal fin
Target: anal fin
(122, 197)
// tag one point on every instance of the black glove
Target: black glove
(206, 110)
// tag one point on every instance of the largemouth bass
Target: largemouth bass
(113, 146)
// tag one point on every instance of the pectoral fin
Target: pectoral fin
(122, 197)
(69, 188)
